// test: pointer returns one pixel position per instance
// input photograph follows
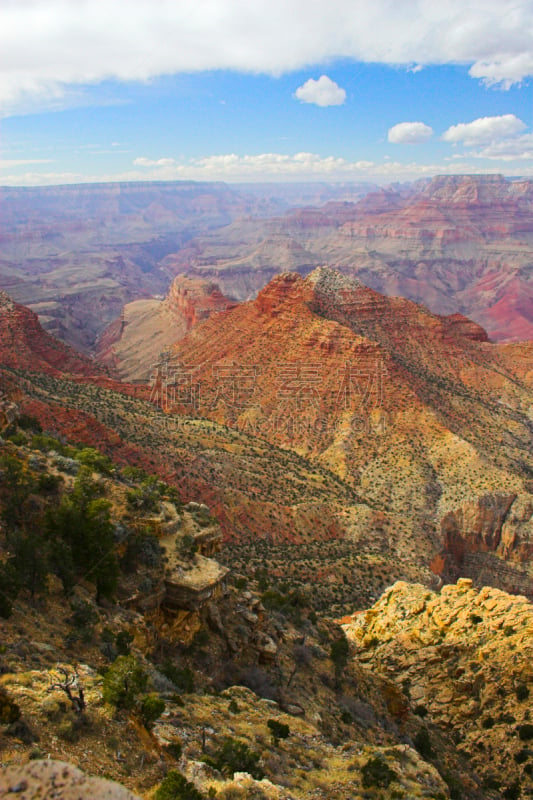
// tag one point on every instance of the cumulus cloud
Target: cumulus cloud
(484, 130)
(49, 46)
(323, 92)
(410, 133)
(504, 72)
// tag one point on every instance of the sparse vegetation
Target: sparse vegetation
(124, 681)
(151, 708)
(279, 730)
(235, 756)
(377, 773)
(176, 787)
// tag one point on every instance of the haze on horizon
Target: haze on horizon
(284, 90)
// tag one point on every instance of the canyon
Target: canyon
(323, 411)
(351, 446)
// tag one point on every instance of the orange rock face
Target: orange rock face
(131, 345)
(25, 345)
(414, 409)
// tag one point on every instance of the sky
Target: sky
(264, 90)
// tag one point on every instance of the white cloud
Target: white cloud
(484, 130)
(410, 133)
(150, 162)
(504, 73)
(323, 92)
(518, 149)
(50, 47)
(300, 166)
(269, 167)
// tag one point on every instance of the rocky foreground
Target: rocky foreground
(464, 659)
(44, 780)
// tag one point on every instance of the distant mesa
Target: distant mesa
(457, 244)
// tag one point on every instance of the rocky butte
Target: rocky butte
(132, 344)
(420, 413)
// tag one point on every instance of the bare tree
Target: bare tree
(71, 685)
(303, 655)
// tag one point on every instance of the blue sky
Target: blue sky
(279, 90)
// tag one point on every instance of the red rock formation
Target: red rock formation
(195, 300)
(131, 345)
(404, 403)
(476, 525)
(25, 345)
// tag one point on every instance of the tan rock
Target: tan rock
(45, 780)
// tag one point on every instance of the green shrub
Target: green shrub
(279, 730)
(490, 781)
(95, 460)
(455, 785)
(174, 749)
(9, 710)
(68, 730)
(181, 677)
(521, 756)
(141, 548)
(45, 443)
(29, 423)
(422, 742)
(513, 791)
(186, 546)
(235, 756)
(525, 732)
(176, 787)
(123, 642)
(152, 706)
(48, 483)
(145, 497)
(522, 692)
(339, 652)
(124, 681)
(377, 773)
(10, 586)
(81, 537)
(83, 613)
(17, 438)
